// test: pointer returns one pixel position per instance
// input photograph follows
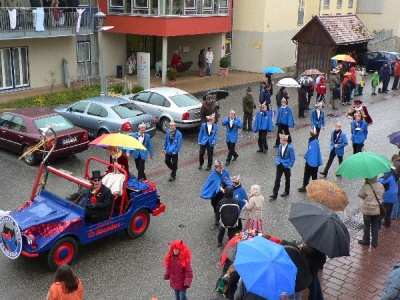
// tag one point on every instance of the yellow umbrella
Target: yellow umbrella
(118, 140)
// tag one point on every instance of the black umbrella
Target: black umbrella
(221, 94)
(321, 229)
(306, 81)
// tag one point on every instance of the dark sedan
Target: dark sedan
(107, 114)
(19, 130)
(376, 59)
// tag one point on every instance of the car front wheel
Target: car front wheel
(29, 158)
(138, 223)
(164, 124)
(64, 251)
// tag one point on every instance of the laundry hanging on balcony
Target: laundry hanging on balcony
(13, 18)
(78, 22)
(38, 18)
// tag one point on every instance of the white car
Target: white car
(166, 104)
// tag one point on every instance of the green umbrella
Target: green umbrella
(364, 165)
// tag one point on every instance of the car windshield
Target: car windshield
(184, 100)
(127, 110)
(66, 189)
(57, 122)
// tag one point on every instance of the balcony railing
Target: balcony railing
(23, 22)
(163, 8)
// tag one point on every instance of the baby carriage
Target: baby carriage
(184, 66)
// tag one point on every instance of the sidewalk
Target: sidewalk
(188, 81)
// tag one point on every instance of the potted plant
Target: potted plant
(171, 75)
(224, 63)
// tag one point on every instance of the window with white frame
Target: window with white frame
(14, 70)
(326, 3)
(300, 16)
(351, 3)
(83, 51)
(339, 3)
(116, 3)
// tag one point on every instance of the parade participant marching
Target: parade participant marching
(232, 124)
(263, 124)
(313, 159)
(318, 118)
(214, 185)
(359, 133)
(284, 120)
(285, 159)
(172, 145)
(178, 269)
(239, 192)
(248, 107)
(207, 139)
(141, 155)
(362, 110)
(337, 143)
(228, 214)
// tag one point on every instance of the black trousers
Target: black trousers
(386, 218)
(309, 171)
(262, 140)
(172, 162)
(371, 229)
(282, 128)
(395, 83)
(248, 121)
(140, 165)
(280, 170)
(210, 153)
(301, 112)
(357, 148)
(231, 233)
(232, 151)
(385, 85)
(214, 203)
(318, 130)
(330, 161)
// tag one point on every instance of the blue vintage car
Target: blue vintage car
(53, 223)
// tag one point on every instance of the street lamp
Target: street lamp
(101, 17)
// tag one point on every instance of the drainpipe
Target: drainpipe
(295, 55)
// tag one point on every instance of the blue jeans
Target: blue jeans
(208, 72)
(396, 208)
(315, 286)
(180, 295)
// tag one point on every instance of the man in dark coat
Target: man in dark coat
(100, 200)
(302, 98)
(384, 77)
(265, 95)
(248, 108)
(208, 108)
(228, 211)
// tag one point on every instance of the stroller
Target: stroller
(184, 66)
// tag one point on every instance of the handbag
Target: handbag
(382, 209)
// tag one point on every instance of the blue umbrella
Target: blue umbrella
(265, 268)
(273, 70)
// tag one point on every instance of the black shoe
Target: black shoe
(235, 157)
(200, 166)
(227, 163)
(208, 168)
(272, 197)
(323, 174)
(219, 244)
(171, 178)
(265, 151)
(363, 243)
(284, 194)
(260, 151)
(337, 175)
(302, 190)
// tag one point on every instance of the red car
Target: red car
(19, 130)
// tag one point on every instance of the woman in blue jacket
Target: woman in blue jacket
(388, 180)
(359, 133)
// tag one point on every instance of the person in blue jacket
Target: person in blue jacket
(389, 182)
(263, 124)
(172, 145)
(213, 187)
(318, 118)
(359, 133)
(141, 155)
(265, 95)
(207, 139)
(239, 192)
(284, 162)
(284, 120)
(392, 289)
(336, 147)
(313, 159)
(232, 124)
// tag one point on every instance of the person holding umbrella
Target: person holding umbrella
(337, 143)
(285, 159)
(263, 124)
(208, 108)
(359, 133)
(248, 108)
(371, 194)
(313, 159)
(389, 182)
(232, 124)
(284, 120)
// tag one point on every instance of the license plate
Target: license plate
(69, 140)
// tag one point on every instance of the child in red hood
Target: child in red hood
(178, 269)
(321, 90)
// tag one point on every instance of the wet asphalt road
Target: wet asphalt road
(119, 268)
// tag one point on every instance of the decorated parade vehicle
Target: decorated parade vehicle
(54, 221)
